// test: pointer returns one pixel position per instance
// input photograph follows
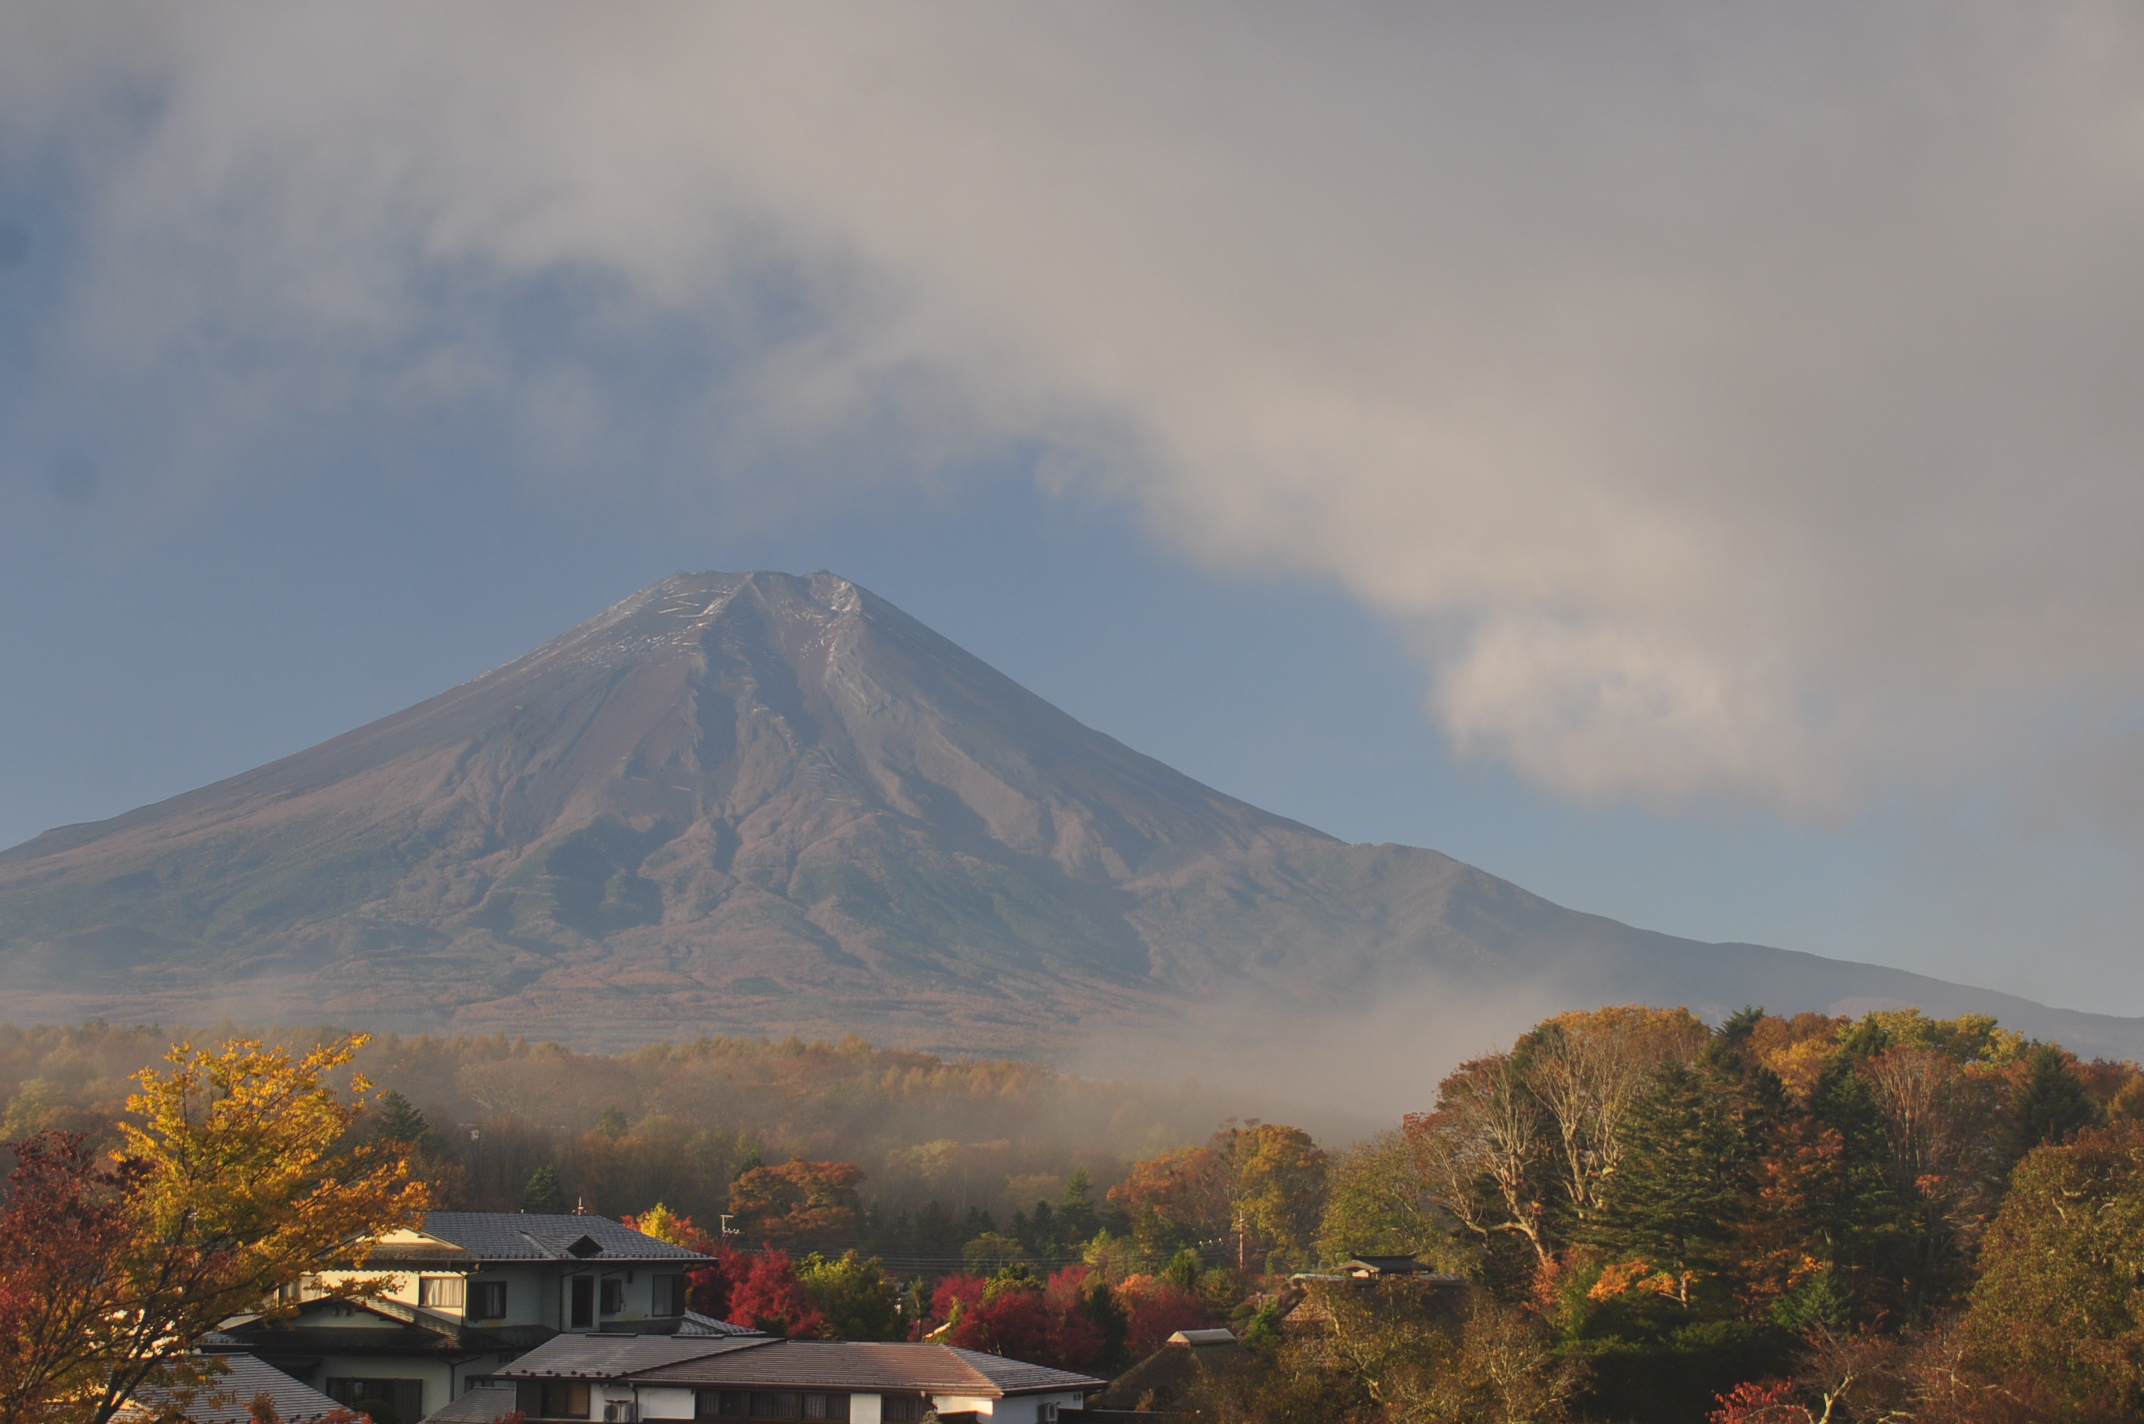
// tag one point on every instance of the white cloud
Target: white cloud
(1737, 403)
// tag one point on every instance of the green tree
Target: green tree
(1692, 1144)
(543, 1194)
(396, 1119)
(2051, 1104)
(1077, 1216)
(1859, 1220)
(854, 1294)
(1380, 1205)
(2060, 1300)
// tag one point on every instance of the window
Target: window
(388, 1401)
(669, 1295)
(774, 1406)
(487, 1300)
(582, 1291)
(721, 1404)
(552, 1399)
(902, 1408)
(613, 1297)
(441, 1291)
(834, 1407)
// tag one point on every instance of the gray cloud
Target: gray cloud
(1735, 403)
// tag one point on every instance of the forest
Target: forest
(1644, 1217)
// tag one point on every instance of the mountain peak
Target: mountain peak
(765, 802)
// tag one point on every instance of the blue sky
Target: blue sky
(1686, 467)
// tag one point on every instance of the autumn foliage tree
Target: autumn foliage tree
(796, 1203)
(2061, 1292)
(66, 1223)
(1259, 1186)
(766, 1294)
(238, 1174)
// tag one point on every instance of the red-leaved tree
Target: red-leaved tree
(1049, 1322)
(61, 1236)
(765, 1294)
(1158, 1309)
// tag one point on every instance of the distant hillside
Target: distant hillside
(743, 803)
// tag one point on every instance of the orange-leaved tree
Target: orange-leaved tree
(239, 1176)
(797, 1203)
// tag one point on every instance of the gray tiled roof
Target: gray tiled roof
(530, 1236)
(696, 1324)
(228, 1398)
(476, 1406)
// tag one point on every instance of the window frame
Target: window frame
(481, 1292)
(443, 1292)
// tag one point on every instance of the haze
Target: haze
(1679, 458)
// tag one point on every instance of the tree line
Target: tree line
(1635, 1216)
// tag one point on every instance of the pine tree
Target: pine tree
(2051, 1104)
(399, 1121)
(1692, 1144)
(543, 1195)
(1861, 1225)
(1077, 1216)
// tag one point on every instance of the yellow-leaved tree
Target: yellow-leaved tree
(239, 1176)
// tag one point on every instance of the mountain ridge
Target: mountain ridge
(769, 803)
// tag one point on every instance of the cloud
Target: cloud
(1734, 403)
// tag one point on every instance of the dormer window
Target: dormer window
(585, 1247)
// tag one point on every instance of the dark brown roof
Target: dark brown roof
(1164, 1380)
(792, 1364)
(596, 1357)
(847, 1364)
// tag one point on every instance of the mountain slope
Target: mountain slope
(764, 803)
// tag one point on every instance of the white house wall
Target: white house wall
(438, 1378)
(665, 1403)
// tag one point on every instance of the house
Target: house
(1386, 1282)
(623, 1379)
(1365, 1268)
(230, 1397)
(469, 1292)
(1166, 1381)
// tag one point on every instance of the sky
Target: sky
(1682, 458)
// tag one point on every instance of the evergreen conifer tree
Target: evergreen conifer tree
(2051, 1104)
(543, 1194)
